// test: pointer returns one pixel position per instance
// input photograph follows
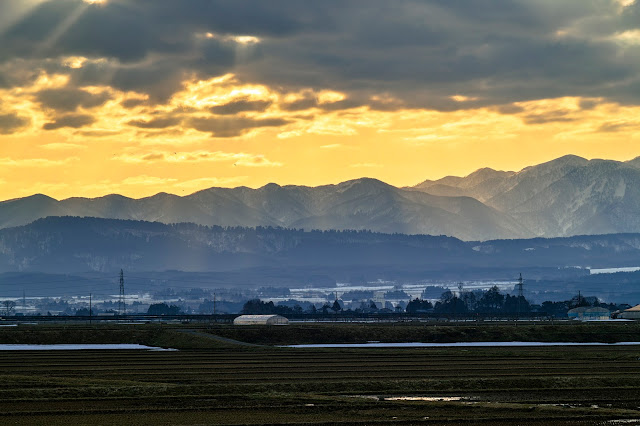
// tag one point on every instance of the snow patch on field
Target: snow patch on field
(456, 344)
(424, 398)
(613, 270)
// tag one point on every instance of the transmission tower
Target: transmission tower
(520, 289)
(520, 293)
(122, 307)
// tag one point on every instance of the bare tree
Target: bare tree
(9, 306)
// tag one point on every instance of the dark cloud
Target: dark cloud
(588, 104)
(310, 100)
(509, 109)
(71, 99)
(70, 120)
(421, 52)
(156, 123)
(241, 105)
(615, 126)
(159, 79)
(132, 103)
(549, 117)
(153, 157)
(97, 133)
(231, 127)
(155, 133)
(343, 104)
(10, 123)
(306, 102)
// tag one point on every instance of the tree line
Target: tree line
(491, 301)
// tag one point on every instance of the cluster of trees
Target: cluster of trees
(490, 301)
(163, 309)
(560, 309)
(258, 307)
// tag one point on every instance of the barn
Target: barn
(260, 320)
(631, 313)
(585, 313)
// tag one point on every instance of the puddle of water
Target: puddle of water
(76, 347)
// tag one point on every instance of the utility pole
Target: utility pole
(122, 307)
(90, 308)
(214, 303)
(459, 298)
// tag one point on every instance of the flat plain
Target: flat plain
(212, 381)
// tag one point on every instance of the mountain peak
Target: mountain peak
(41, 197)
(34, 197)
(484, 174)
(113, 197)
(363, 181)
(566, 160)
(269, 187)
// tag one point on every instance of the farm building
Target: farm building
(631, 313)
(260, 320)
(589, 313)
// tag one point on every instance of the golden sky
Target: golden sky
(78, 117)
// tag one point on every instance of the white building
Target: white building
(260, 320)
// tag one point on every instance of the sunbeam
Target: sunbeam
(13, 12)
(63, 27)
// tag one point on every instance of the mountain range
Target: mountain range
(73, 244)
(564, 197)
(86, 254)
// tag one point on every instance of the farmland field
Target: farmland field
(210, 381)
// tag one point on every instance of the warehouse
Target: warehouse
(631, 313)
(584, 313)
(260, 320)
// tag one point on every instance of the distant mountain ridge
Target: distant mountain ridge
(76, 245)
(358, 204)
(564, 197)
(78, 256)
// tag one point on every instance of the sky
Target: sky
(138, 97)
